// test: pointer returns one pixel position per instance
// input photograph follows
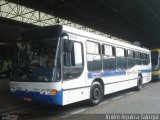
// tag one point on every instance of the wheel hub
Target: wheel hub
(96, 94)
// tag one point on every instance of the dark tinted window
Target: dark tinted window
(145, 58)
(109, 61)
(121, 59)
(130, 53)
(94, 62)
(131, 59)
(138, 60)
(137, 55)
(73, 60)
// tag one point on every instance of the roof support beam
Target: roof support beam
(151, 10)
(23, 14)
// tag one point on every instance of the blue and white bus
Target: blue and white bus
(63, 65)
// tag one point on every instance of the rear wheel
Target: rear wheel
(96, 93)
(139, 83)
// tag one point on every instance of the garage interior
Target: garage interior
(137, 20)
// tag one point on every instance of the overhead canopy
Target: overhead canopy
(132, 20)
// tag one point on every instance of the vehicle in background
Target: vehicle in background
(155, 58)
(5, 69)
(63, 65)
(5, 60)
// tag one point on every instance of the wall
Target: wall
(4, 85)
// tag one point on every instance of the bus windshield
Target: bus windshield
(36, 61)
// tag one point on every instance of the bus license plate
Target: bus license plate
(28, 99)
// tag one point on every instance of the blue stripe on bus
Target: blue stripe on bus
(102, 74)
(111, 73)
(37, 97)
(115, 73)
(146, 71)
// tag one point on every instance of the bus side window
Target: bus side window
(72, 60)
(138, 59)
(121, 59)
(94, 62)
(109, 60)
(144, 58)
(131, 59)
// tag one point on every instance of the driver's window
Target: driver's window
(72, 59)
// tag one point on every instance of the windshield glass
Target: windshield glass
(36, 61)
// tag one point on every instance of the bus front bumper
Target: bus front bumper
(37, 97)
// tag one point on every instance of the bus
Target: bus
(155, 58)
(61, 65)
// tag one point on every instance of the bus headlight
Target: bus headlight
(12, 89)
(53, 92)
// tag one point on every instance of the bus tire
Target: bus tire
(139, 83)
(96, 93)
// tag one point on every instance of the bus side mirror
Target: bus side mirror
(68, 44)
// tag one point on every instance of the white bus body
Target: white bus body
(129, 63)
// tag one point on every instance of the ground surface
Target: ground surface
(127, 102)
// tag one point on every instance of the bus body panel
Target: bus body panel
(75, 95)
(33, 91)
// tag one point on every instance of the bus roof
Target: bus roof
(101, 38)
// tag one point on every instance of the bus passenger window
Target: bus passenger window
(131, 59)
(138, 58)
(145, 57)
(73, 60)
(109, 61)
(121, 59)
(93, 56)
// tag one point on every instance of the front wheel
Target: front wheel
(96, 93)
(139, 83)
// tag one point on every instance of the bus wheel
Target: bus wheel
(96, 93)
(139, 83)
